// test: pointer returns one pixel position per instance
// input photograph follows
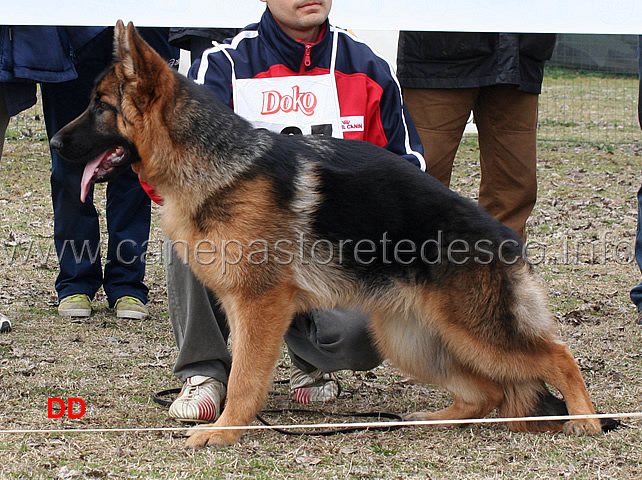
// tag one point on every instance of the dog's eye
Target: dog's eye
(103, 106)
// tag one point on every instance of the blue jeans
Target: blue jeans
(128, 209)
(636, 292)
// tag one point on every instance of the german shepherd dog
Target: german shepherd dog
(450, 294)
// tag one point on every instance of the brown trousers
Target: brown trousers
(506, 120)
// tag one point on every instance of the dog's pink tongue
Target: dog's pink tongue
(87, 175)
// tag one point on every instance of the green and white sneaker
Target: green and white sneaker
(5, 324)
(130, 307)
(316, 386)
(78, 305)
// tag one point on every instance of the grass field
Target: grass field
(588, 107)
(581, 235)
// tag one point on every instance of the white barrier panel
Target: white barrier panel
(566, 16)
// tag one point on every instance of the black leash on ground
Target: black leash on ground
(158, 398)
(326, 433)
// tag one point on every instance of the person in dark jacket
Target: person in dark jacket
(197, 40)
(24, 61)
(128, 209)
(497, 76)
(636, 292)
(34, 54)
(66, 61)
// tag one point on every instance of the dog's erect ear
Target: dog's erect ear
(140, 62)
(121, 47)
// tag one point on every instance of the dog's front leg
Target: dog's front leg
(258, 326)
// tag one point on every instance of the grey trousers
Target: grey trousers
(325, 340)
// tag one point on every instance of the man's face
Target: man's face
(299, 18)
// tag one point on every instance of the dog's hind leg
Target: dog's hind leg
(475, 397)
(560, 370)
(258, 325)
(418, 351)
(532, 399)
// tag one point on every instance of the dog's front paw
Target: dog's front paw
(590, 426)
(202, 436)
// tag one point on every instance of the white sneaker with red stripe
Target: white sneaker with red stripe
(316, 386)
(200, 400)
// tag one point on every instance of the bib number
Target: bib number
(323, 129)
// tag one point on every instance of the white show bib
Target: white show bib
(302, 104)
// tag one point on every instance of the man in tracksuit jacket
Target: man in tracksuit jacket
(292, 72)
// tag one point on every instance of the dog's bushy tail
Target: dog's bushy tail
(533, 399)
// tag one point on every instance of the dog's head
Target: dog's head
(109, 135)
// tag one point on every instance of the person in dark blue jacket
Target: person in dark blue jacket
(24, 62)
(636, 292)
(66, 61)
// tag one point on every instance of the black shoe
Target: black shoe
(5, 324)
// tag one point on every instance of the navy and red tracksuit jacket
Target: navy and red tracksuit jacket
(366, 84)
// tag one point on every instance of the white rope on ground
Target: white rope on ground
(333, 425)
